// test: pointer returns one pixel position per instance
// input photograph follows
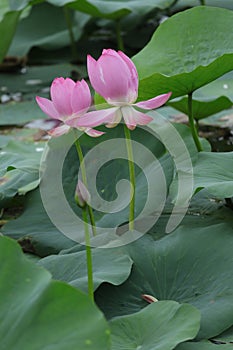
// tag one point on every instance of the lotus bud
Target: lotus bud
(82, 196)
(149, 298)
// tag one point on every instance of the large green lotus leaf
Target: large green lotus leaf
(188, 3)
(52, 35)
(159, 326)
(38, 313)
(109, 265)
(189, 266)
(197, 52)
(213, 171)
(7, 30)
(203, 345)
(113, 9)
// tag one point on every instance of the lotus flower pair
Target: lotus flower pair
(115, 78)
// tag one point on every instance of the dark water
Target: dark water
(221, 139)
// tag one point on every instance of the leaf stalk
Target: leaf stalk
(192, 123)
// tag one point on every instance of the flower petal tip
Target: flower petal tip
(154, 102)
(149, 298)
(60, 130)
(93, 132)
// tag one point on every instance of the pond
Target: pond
(116, 176)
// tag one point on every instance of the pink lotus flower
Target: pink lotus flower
(114, 77)
(69, 101)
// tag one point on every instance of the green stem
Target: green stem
(88, 256)
(202, 2)
(84, 179)
(120, 43)
(192, 123)
(68, 19)
(131, 176)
